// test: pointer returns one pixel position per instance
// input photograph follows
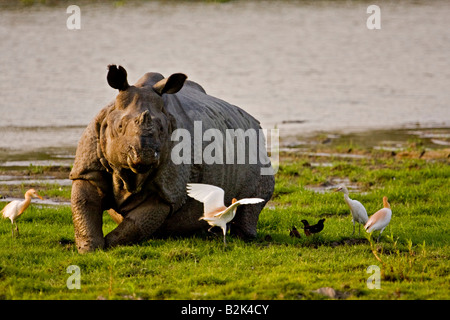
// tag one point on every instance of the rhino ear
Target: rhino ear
(172, 84)
(117, 77)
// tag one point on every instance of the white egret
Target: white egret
(16, 207)
(214, 210)
(359, 213)
(380, 219)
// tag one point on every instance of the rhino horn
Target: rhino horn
(143, 117)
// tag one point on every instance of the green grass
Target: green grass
(413, 253)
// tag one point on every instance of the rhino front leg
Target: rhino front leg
(139, 224)
(86, 200)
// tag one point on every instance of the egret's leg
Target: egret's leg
(381, 231)
(17, 229)
(12, 230)
(353, 226)
(224, 236)
(359, 229)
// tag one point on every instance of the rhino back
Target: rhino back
(192, 104)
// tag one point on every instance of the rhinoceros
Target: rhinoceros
(125, 162)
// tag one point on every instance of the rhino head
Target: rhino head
(136, 130)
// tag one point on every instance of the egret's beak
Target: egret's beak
(39, 196)
(338, 189)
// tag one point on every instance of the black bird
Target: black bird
(306, 224)
(314, 228)
(294, 232)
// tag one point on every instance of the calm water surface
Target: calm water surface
(298, 66)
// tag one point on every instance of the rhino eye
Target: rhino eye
(120, 127)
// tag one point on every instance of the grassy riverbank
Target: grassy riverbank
(413, 252)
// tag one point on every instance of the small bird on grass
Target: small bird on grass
(359, 213)
(214, 210)
(15, 208)
(316, 228)
(294, 232)
(305, 228)
(380, 219)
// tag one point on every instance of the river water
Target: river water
(298, 66)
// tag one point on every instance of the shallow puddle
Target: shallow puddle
(36, 163)
(332, 184)
(440, 142)
(323, 154)
(16, 181)
(40, 202)
(385, 140)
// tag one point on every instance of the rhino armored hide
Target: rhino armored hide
(125, 162)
